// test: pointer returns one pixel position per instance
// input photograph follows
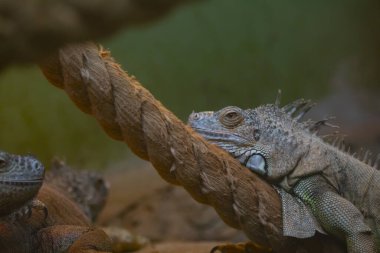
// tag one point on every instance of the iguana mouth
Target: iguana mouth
(22, 182)
(221, 136)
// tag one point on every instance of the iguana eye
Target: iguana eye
(99, 184)
(231, 117)
(4, 159)
(3, 163)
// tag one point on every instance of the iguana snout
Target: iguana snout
(220, 126)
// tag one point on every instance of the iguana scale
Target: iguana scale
(342, 192)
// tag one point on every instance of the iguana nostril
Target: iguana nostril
(194, 116)
(256, 134)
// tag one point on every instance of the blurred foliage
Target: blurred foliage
(37, 118)
(203, 57)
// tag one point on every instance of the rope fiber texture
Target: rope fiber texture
(128, 112)
(31, 29)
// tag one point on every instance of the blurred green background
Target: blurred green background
(201, 57)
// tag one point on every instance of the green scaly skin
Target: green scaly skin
(342, 192)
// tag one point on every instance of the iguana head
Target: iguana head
(88, 189)
(20, 179)
(266, 139)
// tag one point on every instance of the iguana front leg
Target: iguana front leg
(73, 239)
(337, 215)
(25, 211)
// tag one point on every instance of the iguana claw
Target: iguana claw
(25, 212)
(38, 205)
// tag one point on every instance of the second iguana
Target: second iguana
(21, 178)
(35, 217)
(342, 192)
(55, 214)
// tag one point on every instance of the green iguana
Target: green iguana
(341, 191)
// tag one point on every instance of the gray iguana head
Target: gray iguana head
(268, 139)
(87, 188)
(20, 179)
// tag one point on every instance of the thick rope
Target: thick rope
(30, 29)
(128, 112)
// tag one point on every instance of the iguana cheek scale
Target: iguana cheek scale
(321, 186)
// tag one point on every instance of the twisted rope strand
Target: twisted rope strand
(128, 112)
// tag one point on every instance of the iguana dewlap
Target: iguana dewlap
(342, 192)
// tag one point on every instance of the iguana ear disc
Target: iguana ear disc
(257, 164)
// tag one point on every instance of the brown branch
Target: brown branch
(30, 29)
(128, 112)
